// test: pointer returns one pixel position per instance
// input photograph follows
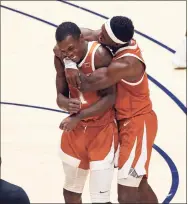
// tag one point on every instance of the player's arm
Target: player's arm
(107, 100)
(90, 35)
(128, 68)
(63, 101)
(101, 106)
(102, 58)
(61, 84)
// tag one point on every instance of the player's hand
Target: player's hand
(74, 105)
(69, 123)
(72, 77)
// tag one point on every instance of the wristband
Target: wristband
(69, 64)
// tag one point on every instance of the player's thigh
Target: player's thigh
(137, 138)
(75, 160)
(75, 178)
(102, 149)
(73, 151)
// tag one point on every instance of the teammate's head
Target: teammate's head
(70, 41)
(117, 31)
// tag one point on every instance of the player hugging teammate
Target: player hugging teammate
(90, 84)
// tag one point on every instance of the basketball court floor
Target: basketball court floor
(30, 118)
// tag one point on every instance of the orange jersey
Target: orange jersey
(87, 99)
(132, 98)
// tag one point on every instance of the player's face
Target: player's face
(104, 38)
(71, 48)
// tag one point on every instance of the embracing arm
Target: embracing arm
(61, 84)
(101, 106)
(72, 105)
(128, 68)
(102, 58)
(90, 35)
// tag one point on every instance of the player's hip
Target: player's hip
(136, 122)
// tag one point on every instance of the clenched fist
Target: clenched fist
(74, 105)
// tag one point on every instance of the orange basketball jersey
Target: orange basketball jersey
(132, 98)
(87, 66)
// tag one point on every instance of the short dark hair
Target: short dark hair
(122, 28)
(65, 29)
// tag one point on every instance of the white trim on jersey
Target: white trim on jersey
(93, 57)
(132, 83)
(131, 55)
(107, 162)
(88, 50)
(72, 161)
(130, 47)
(124, 171)
(140, 165)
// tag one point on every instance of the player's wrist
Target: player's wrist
(80, 116)
(64, 104)
(69, 64)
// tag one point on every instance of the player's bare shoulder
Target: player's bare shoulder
(103, 57)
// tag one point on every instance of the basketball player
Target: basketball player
(136, 119)
(90, 138)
